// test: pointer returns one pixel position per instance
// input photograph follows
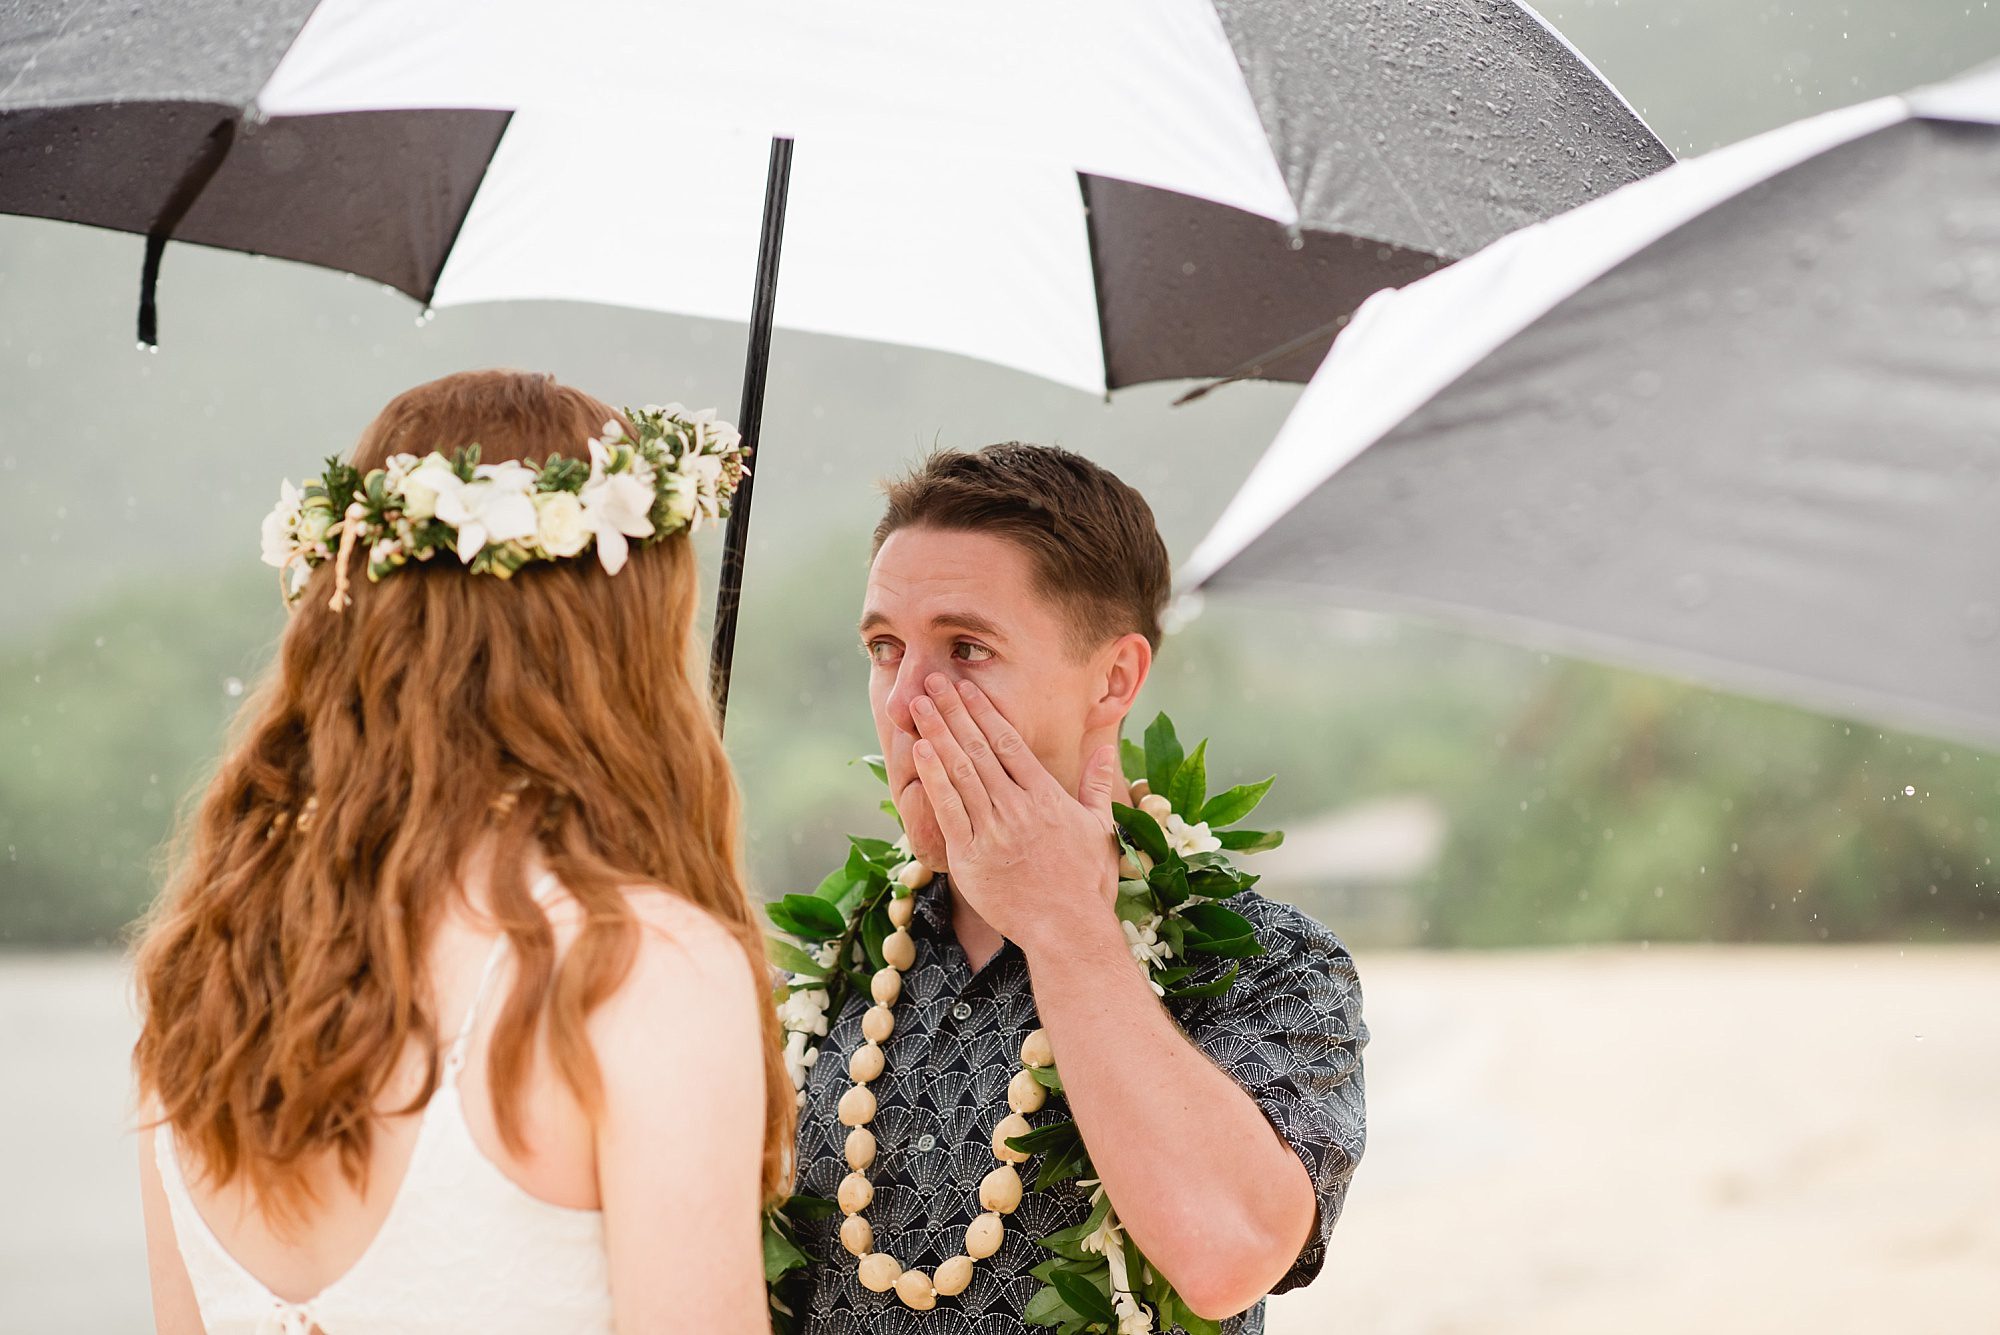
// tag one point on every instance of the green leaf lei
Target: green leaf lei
(1175, 872)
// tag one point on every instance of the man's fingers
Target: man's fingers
(1021, 764)
(946, 804)
(1100, 776)
(957, 766)
(970, 737)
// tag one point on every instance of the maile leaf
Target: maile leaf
(875, 767)
(1232, 806)
(1211, 989)
(1216, 922)
(1141, 831)
(793, 960)
(1249, 841)
(1088, 1300)
(1045, 1137)
(811, 917)
(1190, 784)
(1163, 755)
(1131, 758)
(781, 1254)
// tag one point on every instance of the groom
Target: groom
(1012, 614)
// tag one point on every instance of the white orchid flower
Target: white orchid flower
(495, 507)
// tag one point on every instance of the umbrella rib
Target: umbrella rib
(193, 180)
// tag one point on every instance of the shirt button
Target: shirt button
(927, 1142)
(962, 1011)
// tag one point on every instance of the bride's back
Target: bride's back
(370, 850)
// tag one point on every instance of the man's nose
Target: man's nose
(911, 674)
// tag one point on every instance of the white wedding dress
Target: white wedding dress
(464, 1248)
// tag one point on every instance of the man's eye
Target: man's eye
(970, 651)
(881, 651)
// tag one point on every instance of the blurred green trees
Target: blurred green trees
(1583, 803)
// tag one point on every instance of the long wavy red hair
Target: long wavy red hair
(281, 973)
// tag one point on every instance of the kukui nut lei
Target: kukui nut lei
(999, 1191)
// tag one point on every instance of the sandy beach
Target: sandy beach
(1728, 1139)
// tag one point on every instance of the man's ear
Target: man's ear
(1126, 661)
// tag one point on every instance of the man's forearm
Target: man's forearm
(1212, 1195)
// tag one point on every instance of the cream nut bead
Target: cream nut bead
(860, 1149)
(1025, 1094)
(1156, 806)
(857, 1235)
(953, 1277)
(913, 876)
(1036, 1049)
(983, 1235)
(879, 1272)
(901, 911)
(1129, 868)
(1000, 1190)
(866, 1063)
(877, 1024)
(1012, 1125)
(887, 985)
(857, 1106)
(900, 949)
(914, 1288)
(1140, 790)
(856, 1192)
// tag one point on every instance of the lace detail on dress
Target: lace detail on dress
(463, 1248)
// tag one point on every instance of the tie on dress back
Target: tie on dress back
(463, 1248)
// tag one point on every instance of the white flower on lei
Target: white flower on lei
(1188, 840)
(280, 532)
(798, 1060)
(617, 506)
(804, 1012)
(1143, 940)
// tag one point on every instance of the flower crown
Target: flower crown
(679, 473)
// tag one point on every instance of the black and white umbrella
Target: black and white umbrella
(1740, 420)
(1101, 192)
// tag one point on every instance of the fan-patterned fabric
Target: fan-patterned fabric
(1290, 1032)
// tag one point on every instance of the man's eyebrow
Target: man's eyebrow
(972, 621)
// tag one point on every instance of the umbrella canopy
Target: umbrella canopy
(1740, 420)
(1102, 192)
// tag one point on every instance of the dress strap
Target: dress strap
(454, 1062)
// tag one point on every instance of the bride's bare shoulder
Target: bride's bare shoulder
(690, 973)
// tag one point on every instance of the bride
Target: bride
(453, 1007)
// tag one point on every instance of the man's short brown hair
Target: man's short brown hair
(1095, 549)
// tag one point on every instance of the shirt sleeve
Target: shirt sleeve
(1290, 1032)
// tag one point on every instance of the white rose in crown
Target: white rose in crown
(561, 526)
(422, 482)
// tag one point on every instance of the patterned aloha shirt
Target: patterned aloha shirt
(1289, 1031)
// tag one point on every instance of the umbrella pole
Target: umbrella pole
(756, 366)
